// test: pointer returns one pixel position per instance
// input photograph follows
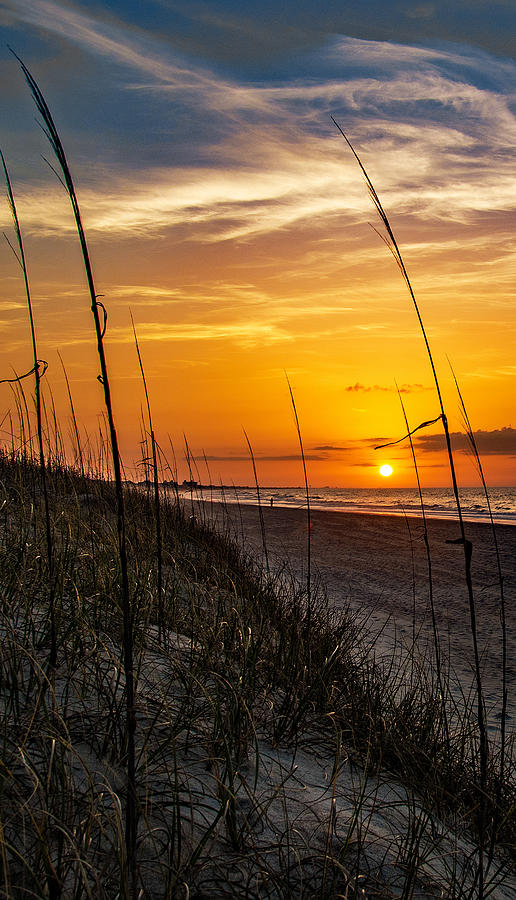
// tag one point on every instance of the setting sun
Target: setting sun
(319, 296)
(386, 470)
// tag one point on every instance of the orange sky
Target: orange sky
(242, 247)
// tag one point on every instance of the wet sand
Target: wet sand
(378, 566)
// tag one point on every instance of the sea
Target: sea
(438, 502)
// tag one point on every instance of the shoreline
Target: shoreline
(376, 565)
(451, 516)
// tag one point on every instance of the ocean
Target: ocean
(438, 502)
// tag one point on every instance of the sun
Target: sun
(386, 470)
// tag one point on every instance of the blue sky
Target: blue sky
(221, 204)
(149, 86)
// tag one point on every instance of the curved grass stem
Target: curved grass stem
(38, 371)
(127, 612)
(392, 245)
(308, 519)
(157, 504)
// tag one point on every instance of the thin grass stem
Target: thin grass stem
(157, 504)
(392, 244)
(52, 660)
(260, 510)
(127, 613)
(435, 631)
(308, 518)
(503, 621)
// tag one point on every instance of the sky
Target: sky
(224, 210)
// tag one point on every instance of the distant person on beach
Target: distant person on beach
(272, 501)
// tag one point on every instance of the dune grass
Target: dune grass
(228, 703)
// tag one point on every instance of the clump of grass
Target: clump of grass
(237, 715)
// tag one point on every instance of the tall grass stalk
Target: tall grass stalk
(392, 245)
(435, 630)
(39, 367)
(308, 519)
(260, 510)
(476, 455)
(23, 410)
(82, 469)
(192, 468)
(17, 449)
(79, 454)
(127, 613)
(208, 472)
(157, 510)
(22, 440)
(56, 452)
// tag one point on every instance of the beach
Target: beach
(377, 566)
(270, 759)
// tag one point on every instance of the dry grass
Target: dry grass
(256, 774)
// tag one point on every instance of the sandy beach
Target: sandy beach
(378, 566)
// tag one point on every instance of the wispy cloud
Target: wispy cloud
(8, 305)
(333, 448)
(244, 333)
(281, 190)
(291, 457)
(108, 39)
(428, 135)
(146, 293)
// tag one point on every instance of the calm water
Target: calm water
(439, 502)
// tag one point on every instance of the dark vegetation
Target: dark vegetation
(229, 676)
